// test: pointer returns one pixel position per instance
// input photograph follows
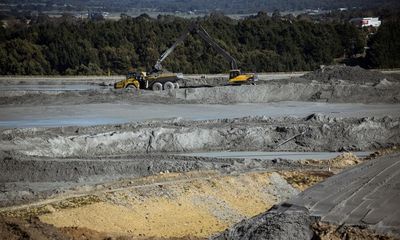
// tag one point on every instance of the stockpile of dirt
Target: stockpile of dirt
(355, 75)
(326, 231)
(304, 179)
(274, 224)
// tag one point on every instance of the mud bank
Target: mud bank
(26, 179)
(313, 133)
(275, 91)
(336, 91)
(329, 84)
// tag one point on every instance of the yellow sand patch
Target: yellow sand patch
(198, 208)
(244, 193)
(155, 219)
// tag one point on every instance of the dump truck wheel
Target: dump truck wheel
(176, 85)
(157, 86)
(168, 86)
(130, 86)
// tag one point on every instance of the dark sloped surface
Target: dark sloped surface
(368, 194)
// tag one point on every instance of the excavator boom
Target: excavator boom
(195, 28)
(165, 54)
(206, 37)
(235, 75)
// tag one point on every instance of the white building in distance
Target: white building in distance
(366, 22)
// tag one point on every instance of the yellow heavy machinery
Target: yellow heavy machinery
(159, 79)
(235, 75)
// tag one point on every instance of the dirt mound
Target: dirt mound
(303, 180)
(13, 228)
(352, 74)
(274, 224)
(326, 231)
(345, 160)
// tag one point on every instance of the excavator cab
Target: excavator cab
(234, 73)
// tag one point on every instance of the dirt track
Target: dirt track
(86, 177)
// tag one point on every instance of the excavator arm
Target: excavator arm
(206, 37)
(165, 54)
(195, 28)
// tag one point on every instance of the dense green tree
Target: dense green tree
(22, 57)
(384, 51)
(260, 43)
(351, 39)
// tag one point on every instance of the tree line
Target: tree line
(260, 44)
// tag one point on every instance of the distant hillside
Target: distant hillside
(238, 6)
(226, 6)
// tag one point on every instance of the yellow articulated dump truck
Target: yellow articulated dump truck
(155, 81)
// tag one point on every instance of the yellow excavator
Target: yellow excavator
(235, 75)
(159, 78)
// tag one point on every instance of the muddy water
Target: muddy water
(110, 113)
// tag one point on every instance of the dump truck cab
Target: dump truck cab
(132, 80)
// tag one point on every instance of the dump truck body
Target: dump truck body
(154, 81)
